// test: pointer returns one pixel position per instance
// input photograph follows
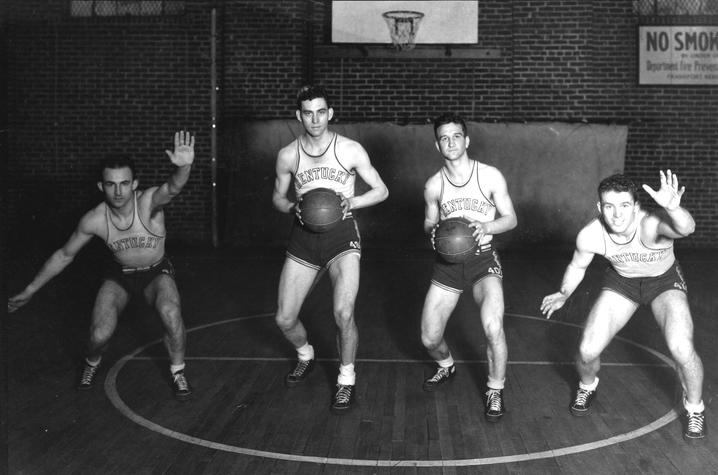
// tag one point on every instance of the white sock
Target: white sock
(94, 364)
(447, 362)
(347, 376)
(176, 367)
(495, 383)
(589, 387)
(700, 407)
(305, 352)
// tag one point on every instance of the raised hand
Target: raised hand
(184, 149)
(669, 194)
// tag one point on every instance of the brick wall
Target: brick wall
(81, 87)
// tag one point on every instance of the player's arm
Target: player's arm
(575, 271)
(674, 221)
(432, 213)
(361, 163)
(282, 181)
(506, 220)
(57, 262)
(182, 157)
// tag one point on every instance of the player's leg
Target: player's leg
(110, 301)
(162, 294)
(673, 315)
(295, 282)
(344, 274)
(438, 305)
(607, 317)
(489, 296)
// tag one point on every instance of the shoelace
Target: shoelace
(344, 394)
(440, 374)
(695, 422)
(181, 381)
(582, 397)
(494, 401)
(88, 373)
(301, 368)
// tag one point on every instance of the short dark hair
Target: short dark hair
(114, 161)
(449, 118)
(618, 183)
(309, 92)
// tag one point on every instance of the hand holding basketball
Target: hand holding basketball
(454, 240)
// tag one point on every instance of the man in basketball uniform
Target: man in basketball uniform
(320, 158)
(644, 270)
(467, 188)
(132, 224)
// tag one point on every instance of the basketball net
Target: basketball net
(403, 27)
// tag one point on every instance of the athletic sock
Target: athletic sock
(497, 384)
(95, 364)
(347, 376)
(305, 352)
(700, 407)
(446, 362)
(176, 367)
(589, 387)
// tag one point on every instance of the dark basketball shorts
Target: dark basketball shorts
(317, 250)
(456, 277)
(643, 290)
(136, 280)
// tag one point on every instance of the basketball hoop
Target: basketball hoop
(403, 27)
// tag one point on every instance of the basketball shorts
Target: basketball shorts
(456, 277)
(317, 250)
(643, 290)
(136, 280)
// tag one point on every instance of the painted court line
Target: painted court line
(113, 395)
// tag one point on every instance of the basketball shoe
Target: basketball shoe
(494, 404)
(299, 374)
(695, 427)
(343, 398)
(181, 386)
(441, 376)
(87, 378)
(582, 402)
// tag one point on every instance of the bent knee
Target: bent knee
(682, 351)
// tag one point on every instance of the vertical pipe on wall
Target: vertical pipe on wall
(309, 44)
(213, 139)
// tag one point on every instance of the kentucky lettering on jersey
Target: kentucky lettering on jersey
(135, 246)
(322, 171)
(635, 259)
(465, 204)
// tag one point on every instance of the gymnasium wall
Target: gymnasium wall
(551, 170)
(78, 88)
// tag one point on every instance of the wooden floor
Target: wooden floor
(243, 420)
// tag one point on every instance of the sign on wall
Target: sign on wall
(678, 55)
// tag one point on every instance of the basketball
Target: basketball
(454, 240)
(320, 209)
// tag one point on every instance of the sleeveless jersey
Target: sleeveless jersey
(635, 259)
(136, 246)
(466, 199)
(322, 171)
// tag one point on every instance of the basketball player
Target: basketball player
(467, 188)
(320, 158)
(644, 270)
(132, 224)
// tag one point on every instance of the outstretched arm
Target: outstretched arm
(182, 157)
(676, 222)
(572, 277)
(55, 264)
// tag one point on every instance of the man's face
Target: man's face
(315, 116)
(451, 141)
(117, 184)
(618, 210)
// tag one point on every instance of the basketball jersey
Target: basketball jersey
(135, 246)
(635, 259)
(466, 200)
(322, 171)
